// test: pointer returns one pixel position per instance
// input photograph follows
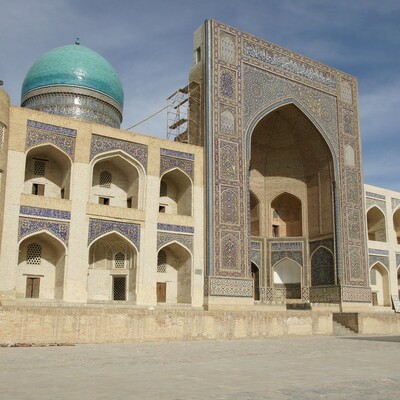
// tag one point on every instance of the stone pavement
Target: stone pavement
(277, 368)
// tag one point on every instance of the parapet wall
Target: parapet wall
(89, 324)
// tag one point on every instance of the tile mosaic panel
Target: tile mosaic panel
(255, 245)
(256, 257)
(376, 196)
(277, 256)
(378, 251)
(281, 246)
(355, 266)
(168, 163)
(346, 92)
(227, 121)
(369, 203)
(326, 294)
(229, 250)
(39, 133)
(328, 243)
(267, 55)
(228, 47)
(100, 227)
(229, 287)
(227, 83)
(103, 144)
(348, 122)
(164, 238)
(372, 259)
(356, 294)
(229, 206)
(44, 212)
(322, 268)
(353, 224)
(175, 228)
(28, 226)
(395, 203)
(229, 167)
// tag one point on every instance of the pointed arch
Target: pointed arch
(52, 178)
(322, 267)
(179, 188)
(255, 273)
(396, 223)
(174, 272)
(41, 259)
(376, 224)
(287, 276)
(379, 283)
(126, 189)
(286, 215)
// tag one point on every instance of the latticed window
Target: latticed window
(39, 167)
(163, 189)
(162, 261)
(105, 179)
(34, 254)
(119, 260)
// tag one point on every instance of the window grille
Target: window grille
(162, 261)
(163, 189)
(119, 288)
(34, 254)
(119, 260)
(105, 179)
(39, 167)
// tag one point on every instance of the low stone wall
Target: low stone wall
(374, 323)
(89, 324)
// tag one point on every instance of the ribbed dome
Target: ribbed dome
(77, 70)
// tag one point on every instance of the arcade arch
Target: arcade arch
(376, 224)
(396, 224)
(379, 282)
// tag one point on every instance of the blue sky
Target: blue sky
(149, 43)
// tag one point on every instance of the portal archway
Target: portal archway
(41, 267)
(112, 269)
(379, 282)
(174, 274)
(287, 278)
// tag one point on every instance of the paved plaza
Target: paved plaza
(277, 368)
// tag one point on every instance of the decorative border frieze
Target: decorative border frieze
(228, 287)
(44, 212)
(375, 195)
(175, 228)
(378, 251)
(177, 154)
(53, 128)
(285, 246)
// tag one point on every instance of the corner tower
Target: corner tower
(76, 82)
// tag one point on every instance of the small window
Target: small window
(105, 179)
(34, 254)
(32, 288)
(39, 167)
(197, 55)
(275, 230)
(163, 189)
(129, 202)
(104, 200)
(119, 260)
(38, 189)
(62, 193)
(161, 208)
(162, 261)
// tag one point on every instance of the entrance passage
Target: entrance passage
(32, 288)
(119, 288)
(161, 292)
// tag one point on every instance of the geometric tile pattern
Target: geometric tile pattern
(39, 133)
(44, 212)
(231, 287)
(326, 294)
(177, 154)
(353, 294)
(168, 163)
(164, 238)
(27, 226)
(378, 259)
(395, 203)
(374, 202)
(101, 144)
(322, 268)
(99, 227)
(296, 256)
(378, 251)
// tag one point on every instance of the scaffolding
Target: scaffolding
(178, 112)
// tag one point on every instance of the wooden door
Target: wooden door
(32, 288)
(161, 292)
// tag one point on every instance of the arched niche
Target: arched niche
(376, 224)
(112, 269)
(255, 273)
(288, 154)
(322, 267)
(396, 224)
(41, 267)
(286, 216)
(254, 215)
(174, 274)
(379, 283)
(287, 276)
(117, 180)
(175, 193)
(47, 172)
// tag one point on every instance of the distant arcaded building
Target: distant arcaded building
(259, 202)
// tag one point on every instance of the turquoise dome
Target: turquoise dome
(74, 66)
